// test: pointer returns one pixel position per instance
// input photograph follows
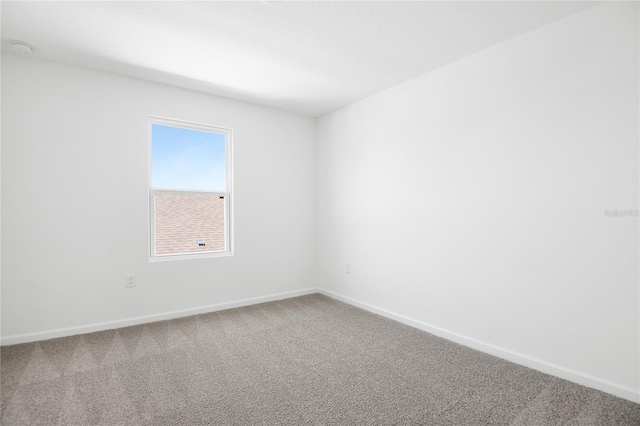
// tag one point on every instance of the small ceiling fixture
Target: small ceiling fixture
(22, 47)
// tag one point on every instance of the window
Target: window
(190, 196)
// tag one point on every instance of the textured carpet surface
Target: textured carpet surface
(307, 360)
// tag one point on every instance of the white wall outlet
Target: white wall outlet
(130, 280)
(348, 269)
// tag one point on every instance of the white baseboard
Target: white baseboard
(63, 332)
(581, 378)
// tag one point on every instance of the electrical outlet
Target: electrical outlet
(348, 270)
(130, 280)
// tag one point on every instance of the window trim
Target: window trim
(229, 199)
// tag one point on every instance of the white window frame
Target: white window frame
(228, 194)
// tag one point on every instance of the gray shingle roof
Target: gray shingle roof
(182, 220)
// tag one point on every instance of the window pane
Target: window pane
(189, 223)
(187, 159)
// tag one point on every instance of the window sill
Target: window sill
(171, 257)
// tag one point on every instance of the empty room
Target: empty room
(322, 212)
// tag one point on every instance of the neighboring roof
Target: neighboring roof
(182, 221)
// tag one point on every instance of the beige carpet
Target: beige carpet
(307, 360)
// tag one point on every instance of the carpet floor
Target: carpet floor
(306, 360)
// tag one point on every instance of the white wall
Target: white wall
(472, 199)
(75, 209)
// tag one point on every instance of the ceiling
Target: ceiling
(309, 58)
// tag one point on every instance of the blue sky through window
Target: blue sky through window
(187, 159)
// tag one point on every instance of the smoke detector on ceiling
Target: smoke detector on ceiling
(22, 47)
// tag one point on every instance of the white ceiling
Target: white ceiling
(309, 58)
